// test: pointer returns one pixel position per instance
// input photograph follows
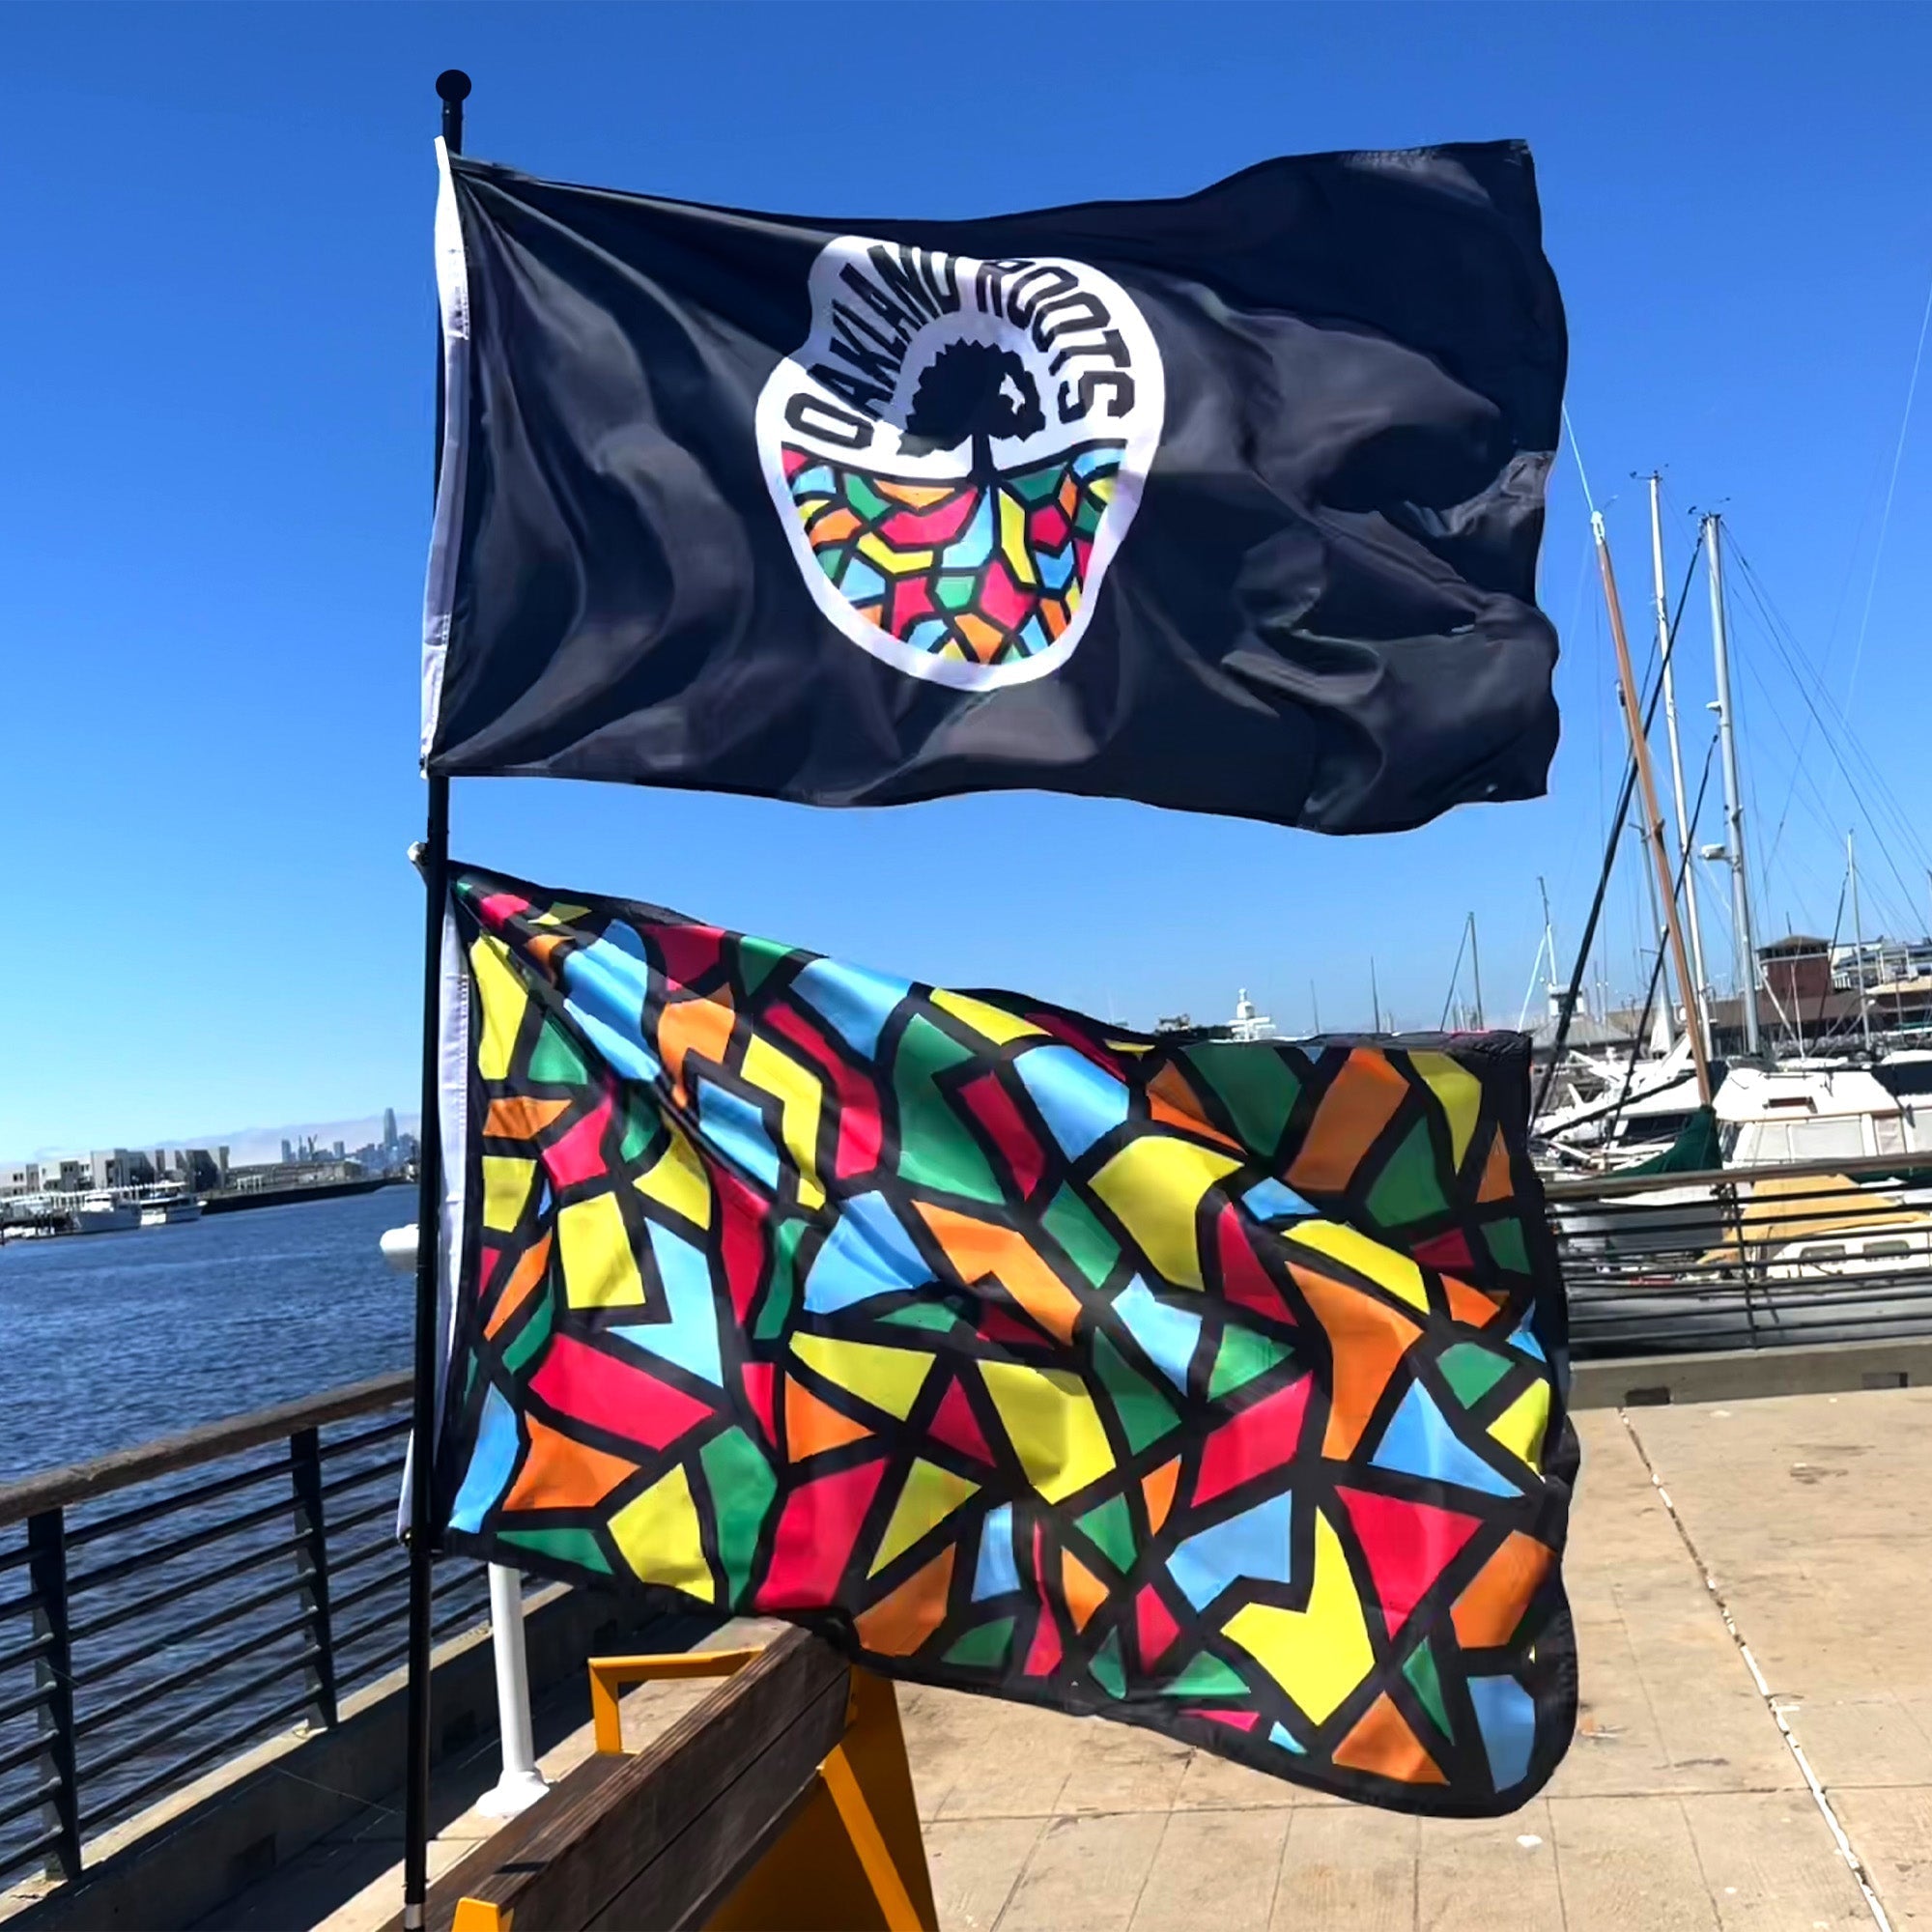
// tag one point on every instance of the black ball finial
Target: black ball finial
(452, 84)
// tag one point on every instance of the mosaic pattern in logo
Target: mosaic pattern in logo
(977, 576)
(1198, 1385)
(956, 451)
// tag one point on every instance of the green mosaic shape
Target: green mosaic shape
(1471, 1371)
(1407, 1188)
(1205, 1676)
(1111, 1527)
(1420, 1670)
(1078, 1230)
(1506, 1245)
(984, 1644)
(782, 1290)
(759, 959)
(555, 1058)
(1241, 1356)
(532, 1335)
(863, 498)
(1257, 1087)
(641, 1128)
(578, 1546)
(742, 1487)
(932, 1315)
(1106, 1668)
(935, 1148)
(1145, 1414)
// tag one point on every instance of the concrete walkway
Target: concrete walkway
(1806, 1520)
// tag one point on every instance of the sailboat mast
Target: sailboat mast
(1652, 816)
(1858, 942)
(1745, 938)
(1694, 931)
(1375, 994)
(1666, 1031)
(1476, 972)
(1549, 941)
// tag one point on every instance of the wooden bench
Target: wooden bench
(782, 1803)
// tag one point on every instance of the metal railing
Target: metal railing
(1747, 1258)
(164, 1608)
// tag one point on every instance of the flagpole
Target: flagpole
(453, 88)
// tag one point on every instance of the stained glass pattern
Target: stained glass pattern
(1200, 1385)
(981, 572)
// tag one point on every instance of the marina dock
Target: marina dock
(1754, 1747)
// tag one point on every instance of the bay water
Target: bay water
(110, 1340)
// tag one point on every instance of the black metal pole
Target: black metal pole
(453, 88)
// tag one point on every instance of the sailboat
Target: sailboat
(1686, 1112)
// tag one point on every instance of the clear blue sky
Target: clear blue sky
(215, 479)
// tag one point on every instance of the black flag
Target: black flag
(1229, 503)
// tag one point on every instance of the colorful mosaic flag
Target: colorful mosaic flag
(1209, 1386)
(1230, 503)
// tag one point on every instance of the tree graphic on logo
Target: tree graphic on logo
(971, 390)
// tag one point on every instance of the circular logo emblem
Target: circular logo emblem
(956, 451)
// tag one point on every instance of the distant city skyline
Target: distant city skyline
(249, 1145)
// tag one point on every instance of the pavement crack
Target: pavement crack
(1774, 1709)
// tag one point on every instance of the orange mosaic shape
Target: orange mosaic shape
(1368, 1339)
(814, 1426)
(561, 1473)
(1361, 1100)
(529, 1271)
(1382, 1742)
(897, 1625)
(522, 1117)
(1490, 1610)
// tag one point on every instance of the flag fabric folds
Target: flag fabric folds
(1229, 503)
(1213, 1387)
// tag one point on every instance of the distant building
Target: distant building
(1797, 969)
(199, 1170)
(1181, 1029)
(288, 1152)
(203, 1170)
(24, 1178)
(1879, 962)
(119, 1167)
(292, 1173)
(388, 1130)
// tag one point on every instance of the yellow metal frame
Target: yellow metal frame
(853, 1859)
(611, 1675)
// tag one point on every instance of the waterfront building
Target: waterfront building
(119, 1167)
(304, 1172)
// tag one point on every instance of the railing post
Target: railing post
(521, 1783)
(54, 1677)
(312, 1572)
